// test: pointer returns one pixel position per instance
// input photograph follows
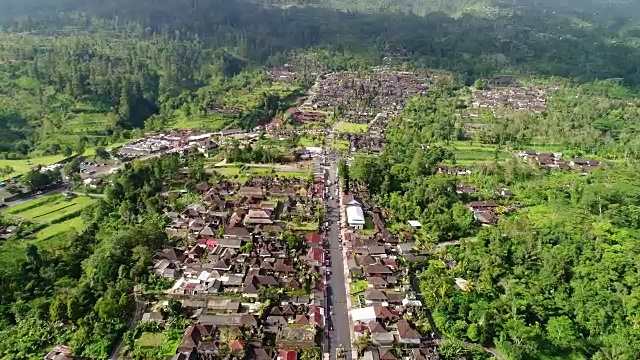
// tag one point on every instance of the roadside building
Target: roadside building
(355, 217)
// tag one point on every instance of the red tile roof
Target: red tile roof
(382, 312)
(315, 255)
(360, 328)
(287, 355)
(315, 317)
(313, 238)
(236, 345)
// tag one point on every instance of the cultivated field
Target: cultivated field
(467, 153)
(54, 213)
(50, 208)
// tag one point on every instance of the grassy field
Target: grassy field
(55, 230)
(151, 339)
(253, 97)
(88, 123)
(13, 250)
(340, 145)
(247, 98)
(311, 226)
(50, 207)
(351, 128)
(32, 204)
(232, 170)
(23, 166)
(205, 122)
(467, 153)
(310, 141)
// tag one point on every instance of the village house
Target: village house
(407, 334)
(486, 218)
(237, 233)
(153, 316)
(452, 170)
(464, 189)
(482, 205)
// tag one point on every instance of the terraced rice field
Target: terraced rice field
(56, 211)
(205, 122)
(88, 123)
(50, 208)
(58, 216)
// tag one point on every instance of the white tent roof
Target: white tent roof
(415, 223)
(363, 314)
(355, 215)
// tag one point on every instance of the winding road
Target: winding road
(137, 315)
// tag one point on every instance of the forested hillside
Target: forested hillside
(77, 73)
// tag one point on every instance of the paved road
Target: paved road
(137, 315)
(336, 292)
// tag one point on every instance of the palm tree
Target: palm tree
(363, 342)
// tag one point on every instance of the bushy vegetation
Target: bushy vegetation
(86, 283)
(555, 278)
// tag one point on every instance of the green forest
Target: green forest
(556, 279)
(84, 74)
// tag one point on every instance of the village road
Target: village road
(336, 291)
(137, 315)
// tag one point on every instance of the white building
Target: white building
(364, 315)
(355, 217)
